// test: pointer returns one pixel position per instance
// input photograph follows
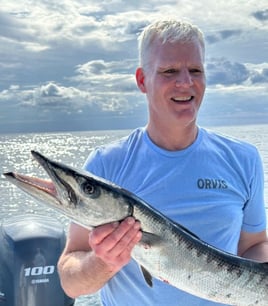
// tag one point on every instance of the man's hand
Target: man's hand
(113, 242)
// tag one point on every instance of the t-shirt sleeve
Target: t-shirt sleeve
(94, 163)
(254, 210)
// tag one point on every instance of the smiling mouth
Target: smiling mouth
(182, 99)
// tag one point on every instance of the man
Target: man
(211, 184)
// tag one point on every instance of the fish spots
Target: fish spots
(239, 272)
(209, 257)
(231, 268)
(146, 246)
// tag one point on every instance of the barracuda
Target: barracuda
(167, 250)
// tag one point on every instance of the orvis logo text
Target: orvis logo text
(206, 183)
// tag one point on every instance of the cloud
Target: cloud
(76, 57)
(110, 82)
(222, 71)
(260, 77)
(102, 93)
(56, 96)
(113, 75)
(258, 73)
(261, 15)
(110, 86)
(222, 35)
(12, 28)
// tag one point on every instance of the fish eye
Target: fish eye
(88, 188)
(91, 189)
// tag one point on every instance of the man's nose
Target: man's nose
(184, 79)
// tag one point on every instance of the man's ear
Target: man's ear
(140, 78)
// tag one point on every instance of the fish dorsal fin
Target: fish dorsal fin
(147, 276)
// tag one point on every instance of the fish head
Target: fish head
(85, 198)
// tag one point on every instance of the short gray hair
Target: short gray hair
(169, 30)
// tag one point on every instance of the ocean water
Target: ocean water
(72, 149)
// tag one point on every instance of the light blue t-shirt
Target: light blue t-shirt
(214, 188)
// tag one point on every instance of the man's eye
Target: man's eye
(196, 71)
(170, 71)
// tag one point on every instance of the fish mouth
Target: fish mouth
(35, 182)
(56, 190)
(75, 193)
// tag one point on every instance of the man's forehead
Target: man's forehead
(172, 51)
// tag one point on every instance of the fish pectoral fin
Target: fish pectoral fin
(147, 276)
(149, 240)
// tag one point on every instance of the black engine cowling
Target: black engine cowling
(30, 246)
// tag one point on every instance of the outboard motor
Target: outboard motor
(30, 246)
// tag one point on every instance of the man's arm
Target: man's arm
(91, 258)
(254, 246)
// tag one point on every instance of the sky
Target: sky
(70, 65)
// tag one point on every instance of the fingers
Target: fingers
(123, 238)
(114, 242)
(101, 232)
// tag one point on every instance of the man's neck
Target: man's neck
(173, 139)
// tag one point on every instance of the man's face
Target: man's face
(174, 82)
